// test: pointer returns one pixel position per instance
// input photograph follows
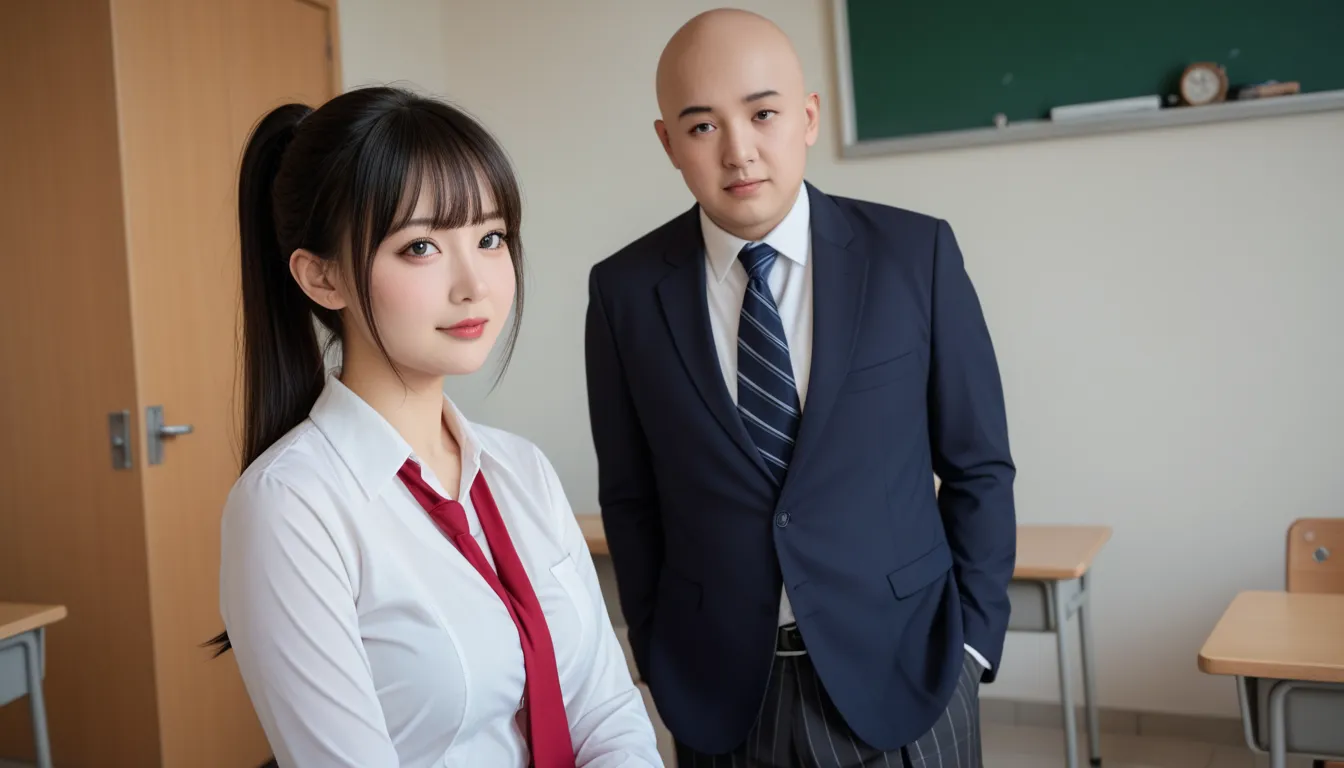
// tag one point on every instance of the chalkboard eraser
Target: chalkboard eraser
(1108, 108)
(1268, 89)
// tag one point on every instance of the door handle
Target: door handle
(156, 431)
(119, 435)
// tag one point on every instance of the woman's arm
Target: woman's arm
(289, 608)
(608, 722)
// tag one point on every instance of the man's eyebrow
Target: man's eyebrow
(693, 111)
(757, 96)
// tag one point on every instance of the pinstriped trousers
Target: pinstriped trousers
(799, 727)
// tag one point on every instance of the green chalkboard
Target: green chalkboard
(945, 65)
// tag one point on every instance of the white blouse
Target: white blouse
(366, 639)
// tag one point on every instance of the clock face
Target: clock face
(1200, 85)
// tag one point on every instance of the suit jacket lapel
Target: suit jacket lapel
(686, 311)
(839, 277)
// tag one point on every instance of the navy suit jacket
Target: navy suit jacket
(887, 578)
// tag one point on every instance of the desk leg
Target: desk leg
(1247, 698)
(1065, 686)
(1278, 728)
(32, 644)
(1089, 671)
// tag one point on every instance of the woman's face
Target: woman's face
(440, 296)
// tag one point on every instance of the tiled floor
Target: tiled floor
(1026, 747)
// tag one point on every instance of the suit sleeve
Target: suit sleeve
(627, 493)
(968, 431)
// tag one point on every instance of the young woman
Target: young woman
(401, 587)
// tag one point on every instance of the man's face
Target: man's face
(737, 124)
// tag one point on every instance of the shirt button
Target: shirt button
(782, 519)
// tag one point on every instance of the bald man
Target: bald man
(774, 378)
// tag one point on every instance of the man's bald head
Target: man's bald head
(736, 117)
(725, 37)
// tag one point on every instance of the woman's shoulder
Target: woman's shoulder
(296, 476)
(288, 514)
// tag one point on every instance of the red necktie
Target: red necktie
(543, 703)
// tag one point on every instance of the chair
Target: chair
(1316, 564)
(1316, 555)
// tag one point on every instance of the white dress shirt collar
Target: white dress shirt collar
(789, 238)
(374, 451)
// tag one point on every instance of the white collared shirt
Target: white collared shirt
(366, 639)
(791, 287)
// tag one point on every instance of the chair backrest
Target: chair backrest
(1316, 555)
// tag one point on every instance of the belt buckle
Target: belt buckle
(789, 641)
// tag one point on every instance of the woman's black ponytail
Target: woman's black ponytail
(283, 368)
(282, 359)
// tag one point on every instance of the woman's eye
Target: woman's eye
(702, 128)
(492, 241)
(765, 114)
(421, 249)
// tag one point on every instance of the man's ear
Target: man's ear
(660, 128)
(812, 108)
(318, 279)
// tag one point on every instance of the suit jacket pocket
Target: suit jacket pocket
(923, 571)
(883, 373)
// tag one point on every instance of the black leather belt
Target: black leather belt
(789, 641)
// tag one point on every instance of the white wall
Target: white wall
(1164, 303)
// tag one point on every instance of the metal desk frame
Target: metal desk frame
(1268, 699)
(30, 645)
(1046, 605)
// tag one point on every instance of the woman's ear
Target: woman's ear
(317, 277)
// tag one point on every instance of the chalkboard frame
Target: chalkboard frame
(1035, 130)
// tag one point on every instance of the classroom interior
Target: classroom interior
(1162, 294)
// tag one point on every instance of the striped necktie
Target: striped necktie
(767, 396)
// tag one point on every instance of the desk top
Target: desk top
(1057, 552)
(1280, 635)
(1044, 552)
(17, 618)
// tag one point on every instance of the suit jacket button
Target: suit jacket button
(782, 519)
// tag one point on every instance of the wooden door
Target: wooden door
(194, 78)
(71, 528)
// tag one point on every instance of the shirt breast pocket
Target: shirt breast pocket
(571, 620)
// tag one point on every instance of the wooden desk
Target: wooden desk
(1057, 552)
(1286, 650)
(22, 629)
(1050, 586)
